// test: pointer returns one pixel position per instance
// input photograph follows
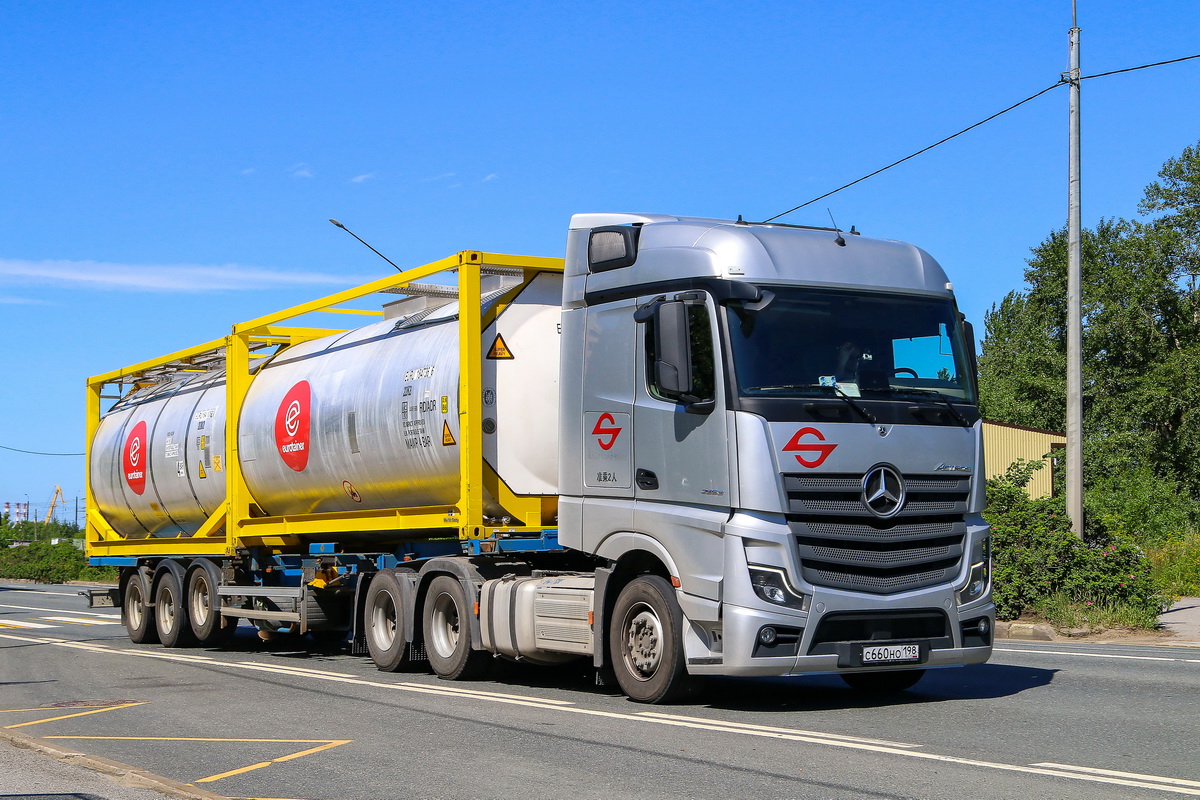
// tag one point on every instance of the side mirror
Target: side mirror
(672, 361)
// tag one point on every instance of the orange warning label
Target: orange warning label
(447, 436)
(499, 351)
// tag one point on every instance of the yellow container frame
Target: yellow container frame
(238, 523)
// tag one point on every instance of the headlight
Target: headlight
(772, 585)
(980, 579)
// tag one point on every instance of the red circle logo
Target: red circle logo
(292, 425)
(135, 458)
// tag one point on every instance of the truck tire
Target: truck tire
(447, 630)
(170, 610)
(646, 642)
(383, 623)
(136, 614)
(204, 605)
(883, 682)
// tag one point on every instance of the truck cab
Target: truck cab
(771, 435)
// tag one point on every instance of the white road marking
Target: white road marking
(82, 621)
(31, 591)
(1095, 655)
(1173, 781)
(12, 623)
(84, 613)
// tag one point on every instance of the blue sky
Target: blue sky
(168, 169)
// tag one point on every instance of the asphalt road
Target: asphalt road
(274, 720)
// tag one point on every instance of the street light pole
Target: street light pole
(1074, 302)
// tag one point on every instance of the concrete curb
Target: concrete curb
(1026, 631)
(124, 774)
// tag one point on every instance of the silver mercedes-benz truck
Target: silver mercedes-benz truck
(784, 418)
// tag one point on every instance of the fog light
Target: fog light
(983, 627)
(767, 635)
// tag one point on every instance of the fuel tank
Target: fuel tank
(365, 419)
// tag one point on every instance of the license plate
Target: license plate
(890, 653)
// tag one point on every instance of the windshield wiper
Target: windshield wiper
(838, 393)
(930, 393)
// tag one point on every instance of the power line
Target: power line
(1061, 82)
(37, 453)
(1143, 66)
(919, 152)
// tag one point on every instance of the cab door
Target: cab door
(681, 450)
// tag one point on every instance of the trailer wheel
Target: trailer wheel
(135, 611)
(210, 628)
(383, 623)
(448, 633)
(881, 682)
(170, 610)
(646, 642)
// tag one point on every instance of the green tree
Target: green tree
(1141, 342)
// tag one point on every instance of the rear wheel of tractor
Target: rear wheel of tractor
(170, 610)
(204, 605)
(646, 642)
(447, 629)
(135, 610)
(883, 682)
(383, 622)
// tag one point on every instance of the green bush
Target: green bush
(50, 563)
(1036, 556)
(1140, 505)
(1176, 564)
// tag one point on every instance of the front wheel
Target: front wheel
(447, 628)
(646, 642)
(883, 682)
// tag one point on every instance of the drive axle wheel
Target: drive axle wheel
(135, 611)
(880, 682)
(383, 621)
(646, 642)
(447, 628)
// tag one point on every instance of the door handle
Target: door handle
(646, 479)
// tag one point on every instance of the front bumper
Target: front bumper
(804, 645)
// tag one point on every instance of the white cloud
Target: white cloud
(162, 277)
(441, 177)
(361, 178)
(249, 171)
(21, 301)
(300, 170)
(490, 177)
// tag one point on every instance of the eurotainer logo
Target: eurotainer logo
(134, 459)
(291, 426)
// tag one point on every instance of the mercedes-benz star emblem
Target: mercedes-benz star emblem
(883, 491)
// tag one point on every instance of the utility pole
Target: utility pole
(1074, 302)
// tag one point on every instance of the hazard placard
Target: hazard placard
(201, 471)
(447, 436)
(499, 351)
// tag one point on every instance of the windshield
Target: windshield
(814, 342)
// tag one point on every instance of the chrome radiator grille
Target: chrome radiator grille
(843, 545)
